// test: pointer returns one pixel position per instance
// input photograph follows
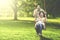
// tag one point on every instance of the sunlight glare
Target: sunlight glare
(4, 3)
(5, 8)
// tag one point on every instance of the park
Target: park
(17, 21)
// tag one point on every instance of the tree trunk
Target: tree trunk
(15, 10)
(15, 14)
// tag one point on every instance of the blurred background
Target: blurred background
(24, 8)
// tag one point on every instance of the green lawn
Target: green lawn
(24, 30)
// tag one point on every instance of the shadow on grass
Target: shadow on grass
(53, 25)
(16, 23)
(44, 38)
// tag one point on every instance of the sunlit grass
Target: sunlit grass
(54, 20)
(23, 29)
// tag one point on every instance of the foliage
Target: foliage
(25, 7)
(52, 7)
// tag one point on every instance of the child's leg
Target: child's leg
(39, 29)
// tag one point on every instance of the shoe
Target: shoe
(40, 34)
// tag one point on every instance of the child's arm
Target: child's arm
(45, 19)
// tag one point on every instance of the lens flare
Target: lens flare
(5, 8)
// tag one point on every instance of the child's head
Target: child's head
(41, 14)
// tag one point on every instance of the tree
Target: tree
(15, 9)
(26, 7)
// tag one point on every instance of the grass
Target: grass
(23, 29)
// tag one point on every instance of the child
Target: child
(40, 23)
